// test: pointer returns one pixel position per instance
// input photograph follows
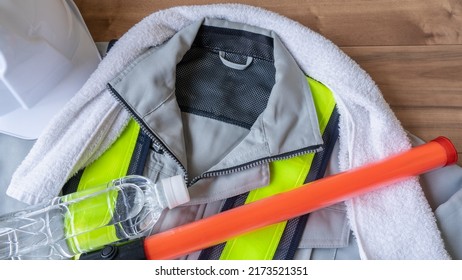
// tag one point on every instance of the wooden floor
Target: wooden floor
(411, 48)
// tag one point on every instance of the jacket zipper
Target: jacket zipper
(221, 172)
(157, 143)
(162, 147)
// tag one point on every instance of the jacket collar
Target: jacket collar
(287, 125)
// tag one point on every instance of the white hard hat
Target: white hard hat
(46, 55)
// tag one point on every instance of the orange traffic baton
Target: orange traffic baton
(218, 228)
(307, 198)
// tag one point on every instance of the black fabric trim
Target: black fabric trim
(214, 252)
(136, 167)
(235, 41)
(140, 154)
(295, 227)
(110, 45)
(205, 114)
(127, 227)
(72, 184)
(330, 137)
(121, 250)
(204, 29)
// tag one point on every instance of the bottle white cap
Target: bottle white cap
(175, 191)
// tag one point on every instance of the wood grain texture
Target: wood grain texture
(346, 23)
(422, 84)
(411, 48)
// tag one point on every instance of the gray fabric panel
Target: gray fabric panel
(167, 120)
(207, 141)
(224, 186)
(13, 151)
(350, 252)
(323, 254)
(326, 228)
(449, 218)
(297, 112)
(159, 166)
(237, 25)
(303, 254)
(443, 190)
(439, 185)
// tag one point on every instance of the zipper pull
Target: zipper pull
(157, 148)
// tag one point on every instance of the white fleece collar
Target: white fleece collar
(393, 223)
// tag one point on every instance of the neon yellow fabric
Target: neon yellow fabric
(97, 212)
(285, 175)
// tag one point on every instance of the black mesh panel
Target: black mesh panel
(207, 87)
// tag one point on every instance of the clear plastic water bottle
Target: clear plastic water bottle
(66, 226)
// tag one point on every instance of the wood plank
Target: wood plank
(414, 75)
(416, 117)
(421, 83)
(358, 23)
(431, 122)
